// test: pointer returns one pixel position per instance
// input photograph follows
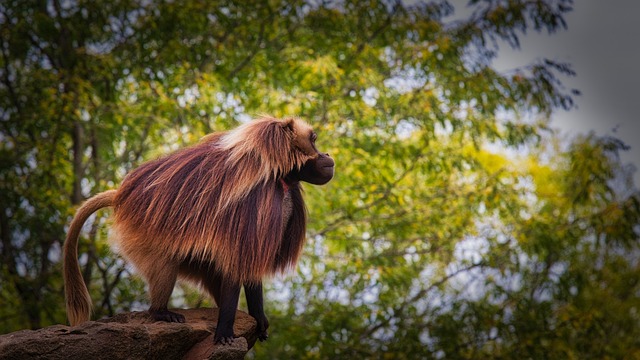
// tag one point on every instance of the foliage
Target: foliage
(456, 226)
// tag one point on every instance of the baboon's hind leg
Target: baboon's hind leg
(162, 279)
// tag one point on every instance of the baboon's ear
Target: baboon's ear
(287, 124)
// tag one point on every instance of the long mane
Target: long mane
(219, 201)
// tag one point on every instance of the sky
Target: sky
(602, 42)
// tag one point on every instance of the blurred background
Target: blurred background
(464, 221)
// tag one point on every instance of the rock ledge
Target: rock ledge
(132, 335)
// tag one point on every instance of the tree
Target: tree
(455, 227)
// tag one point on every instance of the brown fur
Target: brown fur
(78, 300)
(218, 207)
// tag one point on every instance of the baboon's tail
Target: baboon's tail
(77, 296)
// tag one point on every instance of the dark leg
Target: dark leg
(213, 285)
(161, 283)
(203, 273)
(230, 293)
(253, 292)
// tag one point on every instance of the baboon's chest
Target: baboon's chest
(287, 208)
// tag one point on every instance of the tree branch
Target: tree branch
(395, 313)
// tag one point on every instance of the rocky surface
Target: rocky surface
(132, 336)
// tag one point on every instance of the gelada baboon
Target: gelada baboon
(223, 213)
